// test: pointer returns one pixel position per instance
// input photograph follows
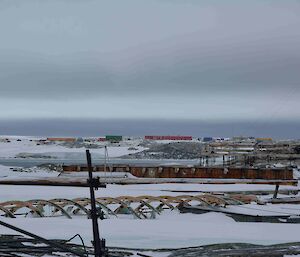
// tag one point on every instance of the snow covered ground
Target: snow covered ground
(169, 230)
(15, 147)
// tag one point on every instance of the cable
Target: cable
(106, 164)
(52, 244)
(82, 242)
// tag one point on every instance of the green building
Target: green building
(113, 138)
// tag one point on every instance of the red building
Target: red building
(62, 139)
(168, 137)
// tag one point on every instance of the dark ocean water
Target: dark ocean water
(90, 127)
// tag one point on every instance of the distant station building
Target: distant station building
(113, 138)
(264, 140)
(240, 138)
(207, 139)
(168, 137)
(61, 139)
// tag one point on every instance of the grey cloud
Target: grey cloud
(55, 81)
(245, 68)
(58, 50)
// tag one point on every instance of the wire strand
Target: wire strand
(82, 242)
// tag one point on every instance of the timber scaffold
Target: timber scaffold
(140, 207)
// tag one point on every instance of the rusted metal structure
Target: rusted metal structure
(81, 181)
(191, 172)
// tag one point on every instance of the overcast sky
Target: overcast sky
(191, 59)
